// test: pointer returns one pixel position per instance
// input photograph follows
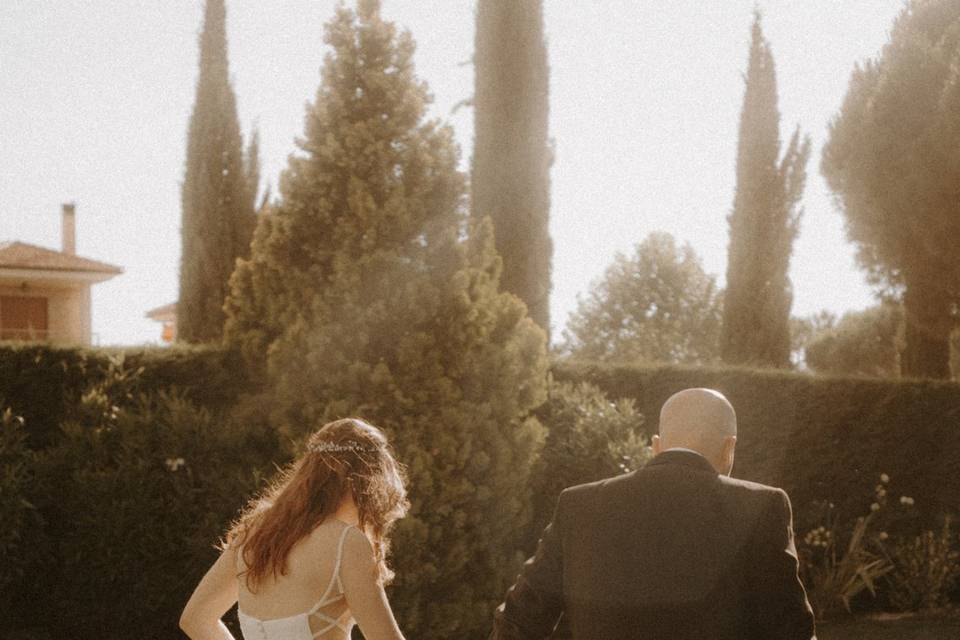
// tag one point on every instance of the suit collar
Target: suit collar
(685, 458)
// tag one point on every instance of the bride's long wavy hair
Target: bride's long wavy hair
(344, 455)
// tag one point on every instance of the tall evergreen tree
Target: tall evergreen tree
(217, 206)
(370, 291)
(893, 161)
(510, 181)
(764, 222)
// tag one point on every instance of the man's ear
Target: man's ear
(655, 445)
(729, 448)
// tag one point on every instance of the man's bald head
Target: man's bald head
(702, 420)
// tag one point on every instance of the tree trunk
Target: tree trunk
(927, 315)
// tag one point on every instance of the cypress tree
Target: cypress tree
(217, 208)
(763, 224)
(510, 179)
(370, 291)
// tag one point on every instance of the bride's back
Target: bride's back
(290, 600)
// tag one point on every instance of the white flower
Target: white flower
(906, 500)
(883, 535)
(884, 478)
(875, 507)
(174, 463)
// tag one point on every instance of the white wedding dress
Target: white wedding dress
(330, 614)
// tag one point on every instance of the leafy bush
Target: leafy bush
(925, 569)
(589, 437)
(19, 521)
(883, 554)
(43, 383)
(134, 495)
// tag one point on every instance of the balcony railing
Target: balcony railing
(38, 335)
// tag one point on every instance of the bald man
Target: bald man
(677, 550)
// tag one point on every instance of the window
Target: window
(23, 318)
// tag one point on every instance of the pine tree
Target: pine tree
(371, 292)
(510, 179)
(763, 224)
(893, 161)
(217, 207)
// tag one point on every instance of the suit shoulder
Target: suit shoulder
(587, 489)
(754, 490)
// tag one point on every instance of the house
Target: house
(167, 317)
(44, 293)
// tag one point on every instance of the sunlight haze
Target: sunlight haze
(644, 110)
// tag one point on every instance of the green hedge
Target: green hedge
(110, 529)
(107, 529)
(819, 438)
(42, 383)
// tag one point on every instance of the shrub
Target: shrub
(20, 524)
(836, 566)
(883, 554)
(134, 494)
(43, 383)
(925, 569)
(589, 437)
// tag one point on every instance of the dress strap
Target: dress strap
(336, 565)
(325, 599)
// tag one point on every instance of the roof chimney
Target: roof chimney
(69, 228)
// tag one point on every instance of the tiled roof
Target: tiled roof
(20, 255)
(165, 310)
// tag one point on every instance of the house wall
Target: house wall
(68, 310)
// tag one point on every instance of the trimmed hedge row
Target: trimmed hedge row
(160, 459)
(819, 438)
(43, 383)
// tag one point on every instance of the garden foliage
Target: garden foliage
(125, 508)
(370, 291)
(818, 437)
(589, 437)
(656, 305)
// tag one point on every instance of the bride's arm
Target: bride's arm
(365, 596)
(212, 598)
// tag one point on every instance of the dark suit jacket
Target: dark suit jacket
(672, 551)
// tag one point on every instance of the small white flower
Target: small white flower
(883, 535)
(173, 464)
(884, 478)
(906, 500)
(875, 507)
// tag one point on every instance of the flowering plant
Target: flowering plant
(836, 569)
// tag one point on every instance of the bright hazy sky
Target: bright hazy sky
(644, 105)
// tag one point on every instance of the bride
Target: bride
(307, 558)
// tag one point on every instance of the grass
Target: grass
(932, 626)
